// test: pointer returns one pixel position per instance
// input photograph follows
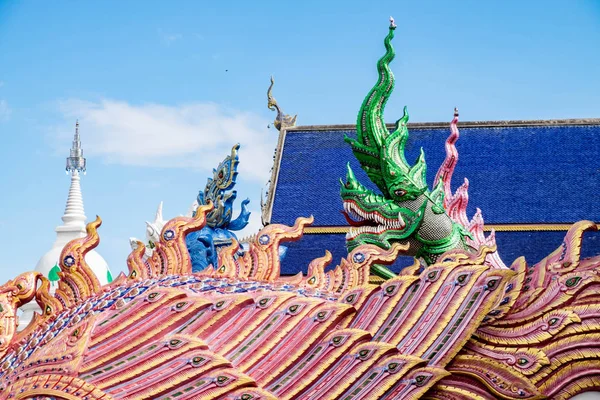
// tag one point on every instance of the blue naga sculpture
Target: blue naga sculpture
(204, 245)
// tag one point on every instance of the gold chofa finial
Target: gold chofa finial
(281, 120)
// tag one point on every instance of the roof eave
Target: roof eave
(462, 124)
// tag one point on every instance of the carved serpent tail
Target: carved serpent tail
(370, 125)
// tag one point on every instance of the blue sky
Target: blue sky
(164, 89)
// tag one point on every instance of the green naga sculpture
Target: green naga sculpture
(406, 211)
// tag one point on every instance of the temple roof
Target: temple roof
(531, 179)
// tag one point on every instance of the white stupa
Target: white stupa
(73, 227)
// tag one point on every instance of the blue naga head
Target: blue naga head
(204, 245)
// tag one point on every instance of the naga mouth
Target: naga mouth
(369, 222)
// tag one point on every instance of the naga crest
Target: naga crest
(205, 244)
(406, 210)
(219, 191)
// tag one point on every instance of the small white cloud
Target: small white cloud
(5, 111)
(1, 83)
(168, 38)
(195, 135)
(199, 36)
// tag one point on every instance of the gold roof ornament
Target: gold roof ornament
(281, 120)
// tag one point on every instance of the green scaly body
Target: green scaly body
(406, 211)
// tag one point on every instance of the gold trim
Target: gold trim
(527, 227)
(326, 229)
(375, 280)
(462, 124)
(312, 230)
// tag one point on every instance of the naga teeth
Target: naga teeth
(383, 223)
(401, 223)
(354, 212)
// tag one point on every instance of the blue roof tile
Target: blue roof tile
(517, 174)
(535, 174)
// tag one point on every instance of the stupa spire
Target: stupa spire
(76, 161)
(74, 216)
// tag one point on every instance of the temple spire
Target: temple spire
(76, 161)
(74, 217)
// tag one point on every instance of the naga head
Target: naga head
(219, 190)
(204, 245)
(14, 294)
(154, 229)
(394, 214)
(405, 210)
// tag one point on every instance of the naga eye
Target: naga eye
(492, 284)
(571, 282)
(399, 192)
